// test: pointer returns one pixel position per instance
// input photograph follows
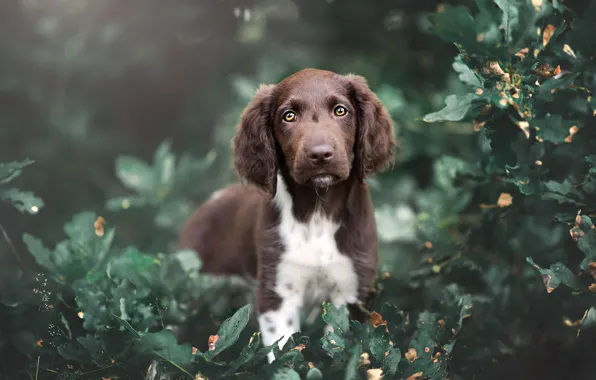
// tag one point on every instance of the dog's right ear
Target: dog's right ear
(255, 159)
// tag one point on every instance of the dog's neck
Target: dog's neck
(307, 200)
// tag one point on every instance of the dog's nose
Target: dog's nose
(320, 154)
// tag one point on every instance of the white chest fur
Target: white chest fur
(311, 269)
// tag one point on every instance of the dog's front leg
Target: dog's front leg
(345, 290)
(278, 315)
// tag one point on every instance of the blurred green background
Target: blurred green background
(82, 82)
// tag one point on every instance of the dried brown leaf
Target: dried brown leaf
(546, 279)
(212, 341)
(547, 34)
(572, 131)
(376, 319)
(411, 355)
(374, 374)
(415, 376)
(505, 200)
(98, 225)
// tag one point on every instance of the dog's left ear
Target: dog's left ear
(375, 141)
(253, 144)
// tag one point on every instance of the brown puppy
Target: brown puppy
(304, 224)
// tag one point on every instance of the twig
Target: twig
(13, 249)
(364, 310)
(37, 369)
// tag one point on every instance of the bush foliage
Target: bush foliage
(486, 225)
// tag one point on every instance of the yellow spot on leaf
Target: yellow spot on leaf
(299, 347)
(441, 323)
(546, 279)
(525, 128)
(428, 245)
(415, 376)
(537, 5)
(569, 323)
(364, 359)
(411, 355)
(495, 68)
(547, 34)
(376, 319)
(98, 225)
(569, 51)
(504, 200)
(572, 131)
(211, 342)
(81, 315)
(374, 374)
(522, 53)
(478, 125)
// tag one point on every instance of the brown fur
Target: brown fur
(235, 231)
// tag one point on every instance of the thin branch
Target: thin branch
(13, 249)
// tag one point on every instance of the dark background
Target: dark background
(82, 82)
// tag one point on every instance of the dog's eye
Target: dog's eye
(289, 116)
(340, 111)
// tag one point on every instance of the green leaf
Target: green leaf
(163, 345)
(589, 319)
(42, 255)
(383, 351)
(11, 170)
(230, 331)
(314, 374)
(454, 25)
(134, 174)
(455, 110)
(553, 128)
(172, 214)
(23, 201)
(510, 19)
(248, 354)
(466, 75)
(124, 203)
(336, 318)
(555, 276)
(140, 269)
(189, 260)
(353, 363)
(164, 163)
(286, 374)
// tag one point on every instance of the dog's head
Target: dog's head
(322, 126)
